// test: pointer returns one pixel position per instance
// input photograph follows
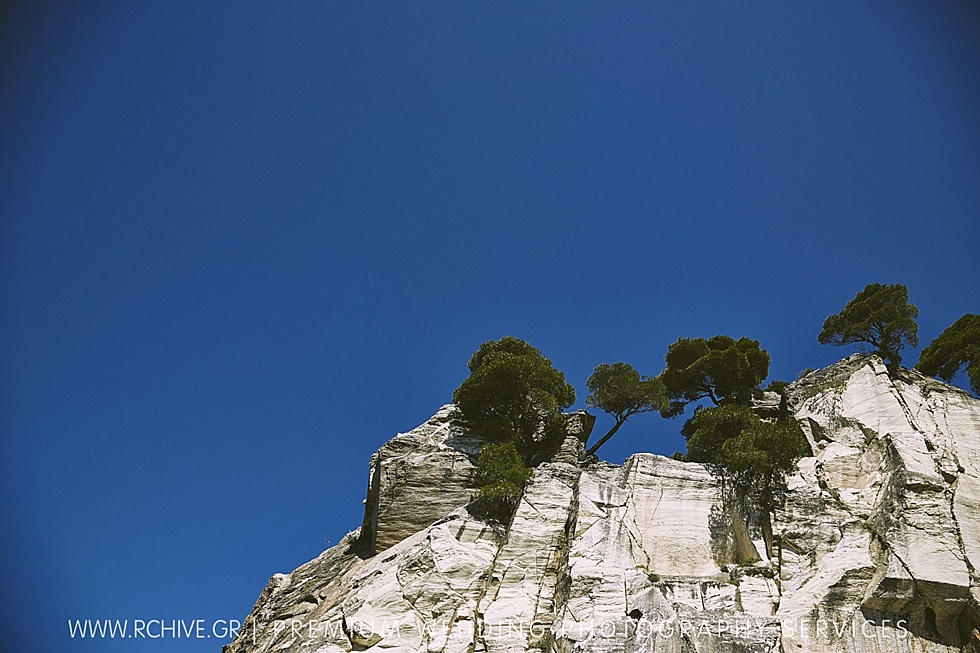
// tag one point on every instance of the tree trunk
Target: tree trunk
(602, 441)
(768, 510)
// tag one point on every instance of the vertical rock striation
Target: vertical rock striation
(880, 525)
(875, 543)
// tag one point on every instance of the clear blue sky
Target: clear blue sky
(243, 245)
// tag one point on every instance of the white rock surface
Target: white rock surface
(404, 474)
(651, 553)
(520, 602)
(875, 547)
(872, 527)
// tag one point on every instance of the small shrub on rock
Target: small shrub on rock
(500, 478)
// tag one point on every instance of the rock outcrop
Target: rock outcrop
(417, 478)
(874, 545)
(881, 525)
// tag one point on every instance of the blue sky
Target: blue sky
(241, 246)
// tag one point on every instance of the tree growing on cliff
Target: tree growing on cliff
(957, 347)
(756, 454)
(721, 369)
(710, 428)
(619, 390)
(513, 393)
(880, 315)
(500, 477)
(762, 454)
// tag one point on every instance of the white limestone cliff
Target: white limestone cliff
(875, 543)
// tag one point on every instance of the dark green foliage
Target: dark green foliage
(879, 315)
(756, 453)
(619, 390)
(721, 369)
(514, 397)
(777, 386)
(763, 453)
(679, 455)
(500, 477)
(514, 393)
(710, 428)
(956, 347)
(804, 373)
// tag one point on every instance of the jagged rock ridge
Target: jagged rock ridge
(875, 545)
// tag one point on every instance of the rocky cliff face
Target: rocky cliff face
(875, 545)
